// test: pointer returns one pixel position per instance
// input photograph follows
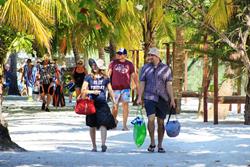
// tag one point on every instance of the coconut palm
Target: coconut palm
(33, 18)
(29, 17)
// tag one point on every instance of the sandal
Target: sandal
(151, 148)
(94, 150)
(104, 148)
(161, 150)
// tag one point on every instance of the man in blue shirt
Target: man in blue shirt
(156, 84)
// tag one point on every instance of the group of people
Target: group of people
(155, 84)
(46, 78)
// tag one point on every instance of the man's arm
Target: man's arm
(109, 72)
(170, 92)
(111, 93)
(140, 92)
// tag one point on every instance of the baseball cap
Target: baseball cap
(122, 51)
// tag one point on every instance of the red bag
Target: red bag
(85, 106)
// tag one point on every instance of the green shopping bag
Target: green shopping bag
(139, 131)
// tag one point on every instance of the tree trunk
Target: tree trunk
(55, 38)
(13, 89)
(247, 104)
(101, 53)
(239, 81)
(112, 49)
(148, 30)
(5, 141)
(74, 47)
(149, 38)
(178, 65)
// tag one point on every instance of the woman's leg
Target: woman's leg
(92, 132)
(103, 130)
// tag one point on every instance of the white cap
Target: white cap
(154, 51)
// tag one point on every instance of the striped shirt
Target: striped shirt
(155, 79)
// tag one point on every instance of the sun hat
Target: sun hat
(99, 63)
(122, 51)
(154, 51)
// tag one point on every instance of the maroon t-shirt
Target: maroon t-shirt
(121, 74)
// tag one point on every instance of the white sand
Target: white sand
(61, 139)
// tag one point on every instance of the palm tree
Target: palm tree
(23, 16)
(29, 17)
(219, 17)
(32, 18)
(178, 66)
(218, 20)
(153, 20)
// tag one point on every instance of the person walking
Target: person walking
(95, 86)
(121, 71)
(78, 75)
(156, 84)
(7, 78)
(46, 73)
(29, 76)
(58, 96)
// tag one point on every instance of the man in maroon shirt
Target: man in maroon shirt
(121, 71)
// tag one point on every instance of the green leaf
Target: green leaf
(2, 2)
(81, 4)
(80, 17)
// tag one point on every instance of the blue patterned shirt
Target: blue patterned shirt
(156, 79)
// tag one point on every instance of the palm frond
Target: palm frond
(19, 15)
(104, 19)
(62, 7)
(220, 13)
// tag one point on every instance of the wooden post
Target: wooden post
(205, 79)
(136, 73)
(167, 53)
(137, 60)
(239, 93)
(186, 72)
(215, 65)
(133, 58)
(173, 53)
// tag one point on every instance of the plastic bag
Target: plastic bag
(139, 131)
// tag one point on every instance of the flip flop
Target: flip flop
(125, 129)
(151, 148)
(104, 148)
(94, 150)
(161, 150)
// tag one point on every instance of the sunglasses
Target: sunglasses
(79, 63)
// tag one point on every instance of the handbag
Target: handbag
(172, 127)
(85, 106)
